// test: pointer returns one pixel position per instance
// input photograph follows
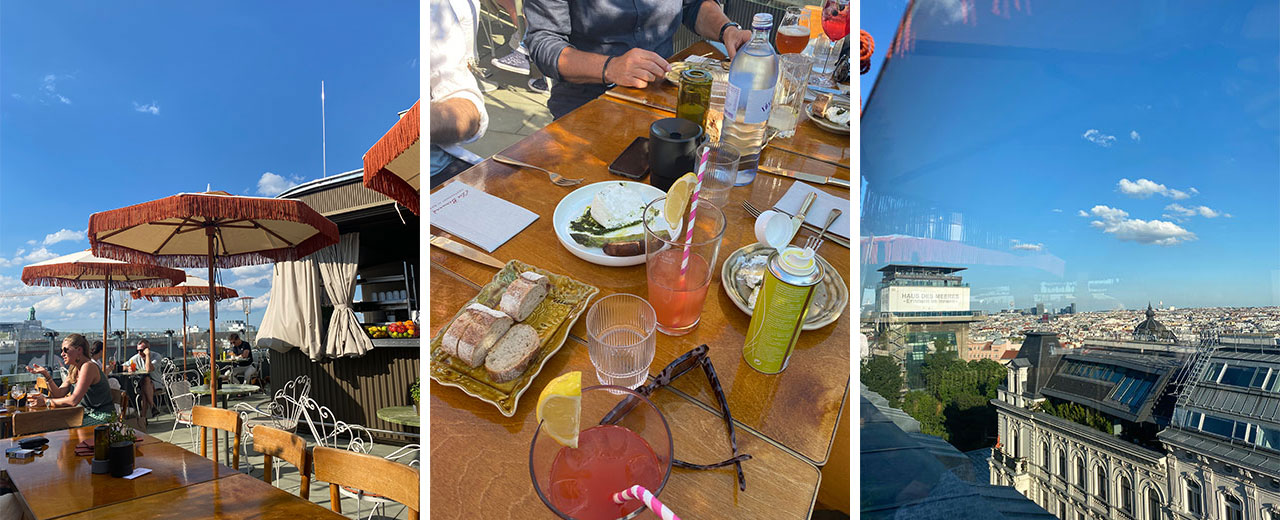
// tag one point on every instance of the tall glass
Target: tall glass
(621, 339)
(788, 96)
(793, 32)
(578, 483)
(835, 24)
(679, 271)
(722, 171)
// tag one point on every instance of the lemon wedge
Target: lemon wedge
(558, 408)
(678, 199)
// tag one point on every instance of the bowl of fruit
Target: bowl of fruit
(395, 329)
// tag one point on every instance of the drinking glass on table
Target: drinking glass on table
(620, 339)
(721, 173)
(788, 96)
(793, 32)
(579, 483)
(680, 270)
(835, 24)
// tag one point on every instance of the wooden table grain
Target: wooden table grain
(236, 497)
(58, 482)
(798, 408)
(810, 139)
(480, 468)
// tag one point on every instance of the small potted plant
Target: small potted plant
(120, 451)
(415, 393)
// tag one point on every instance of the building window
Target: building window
(1232, 509)
(1153, 505)
(1082, 478)
(1062, 463)
(1062, 510)
(1013, 439)
(1126, 495)
(1195, 501)
(1046, 461)
(1102, 484)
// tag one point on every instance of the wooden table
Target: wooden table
(810, 139)
(798, 408)
(237, 496)
(405, 415)
(480, 459)
(225, 390)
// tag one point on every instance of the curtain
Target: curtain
(292, 319)
(338, 263)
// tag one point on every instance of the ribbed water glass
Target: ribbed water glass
(620, 339)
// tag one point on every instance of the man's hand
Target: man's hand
(636, 68)
(734, 39)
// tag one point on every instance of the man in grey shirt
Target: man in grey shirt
(587, 46)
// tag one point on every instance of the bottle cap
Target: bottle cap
(798, 261)
(773, 229)
(762, 21)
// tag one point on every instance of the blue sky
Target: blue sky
(1097, 134)
(103, 106)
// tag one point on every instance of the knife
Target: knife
(798, 219)
(615, 94)
(807, 177)
(466, 251)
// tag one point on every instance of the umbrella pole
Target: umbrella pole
(106, 311)
(213, 310)
(185, 350)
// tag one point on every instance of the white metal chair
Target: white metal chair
(182, 401)
(282, 412)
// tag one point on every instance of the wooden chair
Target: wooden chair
(287, 447)
(47, 420)
(369, 473)
(206, 417)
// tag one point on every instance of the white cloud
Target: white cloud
(1180, 212)
(1082, 213)
(1133, 134)
(250, 270)
(1114, 221)
(270, 184)
(32, 242)
(952, 10)
(151, 108)
(1027, 247)
(69, 301)
(1056, 210)
(1099, 138)
(64, 235)
(22, 257)
(1144, 188)
(50, 88)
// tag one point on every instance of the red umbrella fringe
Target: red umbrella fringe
(63, 275)
(180, 294)
(217, 207)
(396, 141)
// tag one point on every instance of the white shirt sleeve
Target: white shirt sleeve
(452, 46)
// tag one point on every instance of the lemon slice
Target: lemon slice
(558, 408)
(678, 199)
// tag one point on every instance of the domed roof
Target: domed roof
(1152, 330)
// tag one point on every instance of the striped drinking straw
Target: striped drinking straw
(640, 493)
(693, 210)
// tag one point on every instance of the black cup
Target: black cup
(673, 148)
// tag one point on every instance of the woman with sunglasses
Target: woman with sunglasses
(85, 385)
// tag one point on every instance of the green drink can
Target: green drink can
(778, 315)
(695, 95)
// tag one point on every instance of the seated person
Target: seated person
(142, 362)
(96, 353)
(587, 47)
(242, 354)
(458, 115)
(85, 385)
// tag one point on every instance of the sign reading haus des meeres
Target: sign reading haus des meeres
(925, 299)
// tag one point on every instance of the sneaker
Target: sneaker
(516, 62)
(540, 85)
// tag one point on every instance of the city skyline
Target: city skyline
(103, 107)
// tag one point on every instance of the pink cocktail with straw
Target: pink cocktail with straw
(679, 268)
(581, 483)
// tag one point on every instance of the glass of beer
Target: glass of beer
(793, 34)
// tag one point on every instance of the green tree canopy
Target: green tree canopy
(883, 375)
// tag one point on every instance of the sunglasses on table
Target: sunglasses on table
(683, 364)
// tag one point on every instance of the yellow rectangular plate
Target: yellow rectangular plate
(552, 319)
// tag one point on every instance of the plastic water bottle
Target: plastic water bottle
(749, 98)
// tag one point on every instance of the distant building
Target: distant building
(1194, 431)
(917, 309)
(993, 350)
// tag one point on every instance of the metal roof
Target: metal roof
(1094, 393)
(895, 267)
(1249, 456)
(1253, 405)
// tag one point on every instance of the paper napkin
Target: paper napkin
(137, 472)
(478, 217)
(822, 206)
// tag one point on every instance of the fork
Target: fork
(755, 212)
(557, 179)
(814, 242)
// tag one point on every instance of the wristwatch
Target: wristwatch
(726, 26)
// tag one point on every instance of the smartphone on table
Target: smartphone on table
(633, 162)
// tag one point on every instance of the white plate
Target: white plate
(830, 298)
(822, 121)
(575, 203)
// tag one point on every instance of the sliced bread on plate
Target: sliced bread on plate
(509, 358)
(486, 328)
(524, 294)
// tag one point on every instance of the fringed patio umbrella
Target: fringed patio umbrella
(194, 289)
(211, 230)
(392, 166)
(83, 270)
